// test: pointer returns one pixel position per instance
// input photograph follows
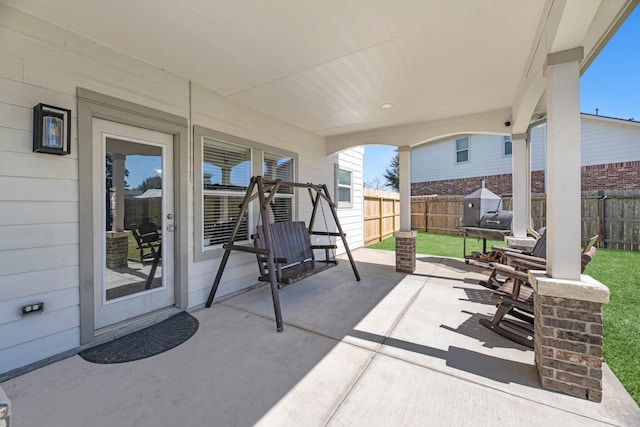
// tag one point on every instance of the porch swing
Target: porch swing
(283, 249)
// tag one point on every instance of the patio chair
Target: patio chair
(505, 255)
(148, 240)
(516, 300)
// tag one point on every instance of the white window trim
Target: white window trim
(343, 205)
(257, 151)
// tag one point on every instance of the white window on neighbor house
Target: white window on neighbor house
(224, 167)
(507, 148)
(462, 150)
(344, 187)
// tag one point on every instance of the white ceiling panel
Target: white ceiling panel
(339, 93)
(297, 35)
(481, 61)
(409, 15)
(328, 65)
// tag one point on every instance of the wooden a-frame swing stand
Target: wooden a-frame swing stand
(283, 246)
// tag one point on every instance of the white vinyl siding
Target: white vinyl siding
(432, 161)
(352, 219)
(39, 218)
(539, 148)
(609, 141)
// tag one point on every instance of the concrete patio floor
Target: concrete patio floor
(391, 350)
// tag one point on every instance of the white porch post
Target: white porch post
(565, 300)
(563, 164)
(405, 238)
(404, 178)
(117, 177)
(520, 175)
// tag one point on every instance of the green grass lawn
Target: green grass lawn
(133, 252)
(618, 270)
(440, 244)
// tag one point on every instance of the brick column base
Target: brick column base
(117, 249)
(568, 334)
(405, 251)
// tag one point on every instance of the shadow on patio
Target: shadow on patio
(393, 349)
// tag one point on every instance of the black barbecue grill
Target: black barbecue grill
(484, 218)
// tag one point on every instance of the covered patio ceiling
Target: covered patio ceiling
(329, 66)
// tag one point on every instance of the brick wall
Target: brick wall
(499, 184)
(568, 346)
(405, 251)
(117, 247)
(612, 176)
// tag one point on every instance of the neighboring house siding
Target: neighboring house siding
(538, 150)
(437, 161)
(39, 219)
(608, 141)
(610, 152)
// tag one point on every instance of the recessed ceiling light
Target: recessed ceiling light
(386, 106)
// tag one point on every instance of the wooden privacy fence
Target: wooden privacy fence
(439, 214)
(381, 215)
(613, 215)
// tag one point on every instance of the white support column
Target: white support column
(563, 164)
(520, 166)
(117, 177)
(404, 177)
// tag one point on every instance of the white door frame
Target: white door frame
(96, 105)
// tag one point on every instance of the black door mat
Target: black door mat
(147, 342)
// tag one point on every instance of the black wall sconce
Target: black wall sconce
(51, 129)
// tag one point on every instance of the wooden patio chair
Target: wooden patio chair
(506, 255)
(515, 298)
(148, 240)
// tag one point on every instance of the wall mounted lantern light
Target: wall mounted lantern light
(51, 129)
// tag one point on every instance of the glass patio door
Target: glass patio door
(136, 238)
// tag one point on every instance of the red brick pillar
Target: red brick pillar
(405, 251)
(568, 334)
(117, 249)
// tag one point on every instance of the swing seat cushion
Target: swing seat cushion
(293, 251)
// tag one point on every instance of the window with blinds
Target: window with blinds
(226, 172)
(275, 166)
